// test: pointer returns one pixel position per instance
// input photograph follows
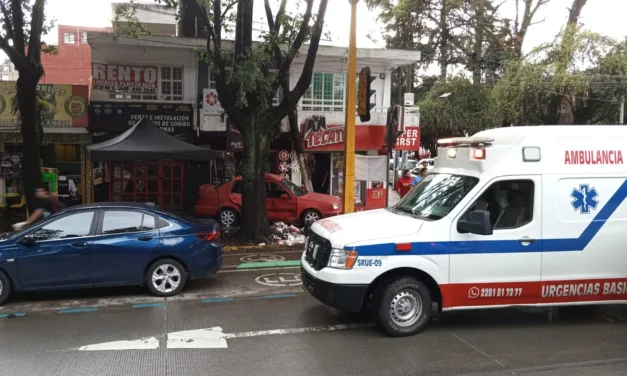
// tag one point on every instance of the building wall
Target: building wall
(72, 63)
(148, 56)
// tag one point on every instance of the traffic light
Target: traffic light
(365, 92)
(392, 127)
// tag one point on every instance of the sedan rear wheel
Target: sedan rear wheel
(228, 217)
(5, 287)
(166, 277)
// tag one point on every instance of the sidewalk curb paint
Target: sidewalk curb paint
(12, 315)
(278, 296)
(268, 264)
(216, 300)
(148, 305)
(79, 310)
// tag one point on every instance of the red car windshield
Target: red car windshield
(296, 190)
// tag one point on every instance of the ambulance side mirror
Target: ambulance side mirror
(478, 222)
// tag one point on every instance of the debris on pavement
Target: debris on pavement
(284, 234)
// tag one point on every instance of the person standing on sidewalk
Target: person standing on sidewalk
(403, 184)
(421, 174)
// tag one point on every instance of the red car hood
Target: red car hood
(320, 197)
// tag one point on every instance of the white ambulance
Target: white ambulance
(521, 216)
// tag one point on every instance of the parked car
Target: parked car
(109, 244)
(285, 202)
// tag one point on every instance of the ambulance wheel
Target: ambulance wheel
(403, 307)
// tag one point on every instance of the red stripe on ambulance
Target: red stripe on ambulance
(593, 157)
(513, 293)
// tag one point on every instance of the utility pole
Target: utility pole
(349, 130)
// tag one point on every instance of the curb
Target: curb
(155, 305)
(264, 248)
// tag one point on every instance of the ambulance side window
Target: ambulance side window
(509, 202)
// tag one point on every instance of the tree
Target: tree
(23, 23)
(258, 71)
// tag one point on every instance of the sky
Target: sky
(603, 16)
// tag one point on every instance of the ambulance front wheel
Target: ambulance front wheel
(403, 307)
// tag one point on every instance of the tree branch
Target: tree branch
(300, 38)
(291, 100)
(18, 26)
(8, 24)
(274, 25)
(36, 28)
(228, 8)
(13, 54)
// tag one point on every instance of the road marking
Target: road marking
(279, 280)
(77, 310)
(261, 257)
(148, 305)
(12, 315)
(216, 300)
(605, 318)
(211, 338)
(277, 296)
(140, 344)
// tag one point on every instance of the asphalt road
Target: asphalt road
(295, 335)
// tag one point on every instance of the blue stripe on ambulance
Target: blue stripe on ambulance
(502, 246)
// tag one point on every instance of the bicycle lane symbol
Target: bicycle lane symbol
(279, 280)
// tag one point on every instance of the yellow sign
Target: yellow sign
(62, 106)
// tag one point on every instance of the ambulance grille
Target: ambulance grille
(318, 251)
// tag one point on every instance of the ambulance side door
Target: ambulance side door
(495, 269)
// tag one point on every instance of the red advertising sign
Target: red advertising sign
(319, 136)
(127, 78)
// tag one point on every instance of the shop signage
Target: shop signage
(127, 78)
(211, 104)
(317, 135)
(235, 141)
(109, 119)
(62, 106)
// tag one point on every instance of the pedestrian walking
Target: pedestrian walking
(403, 184)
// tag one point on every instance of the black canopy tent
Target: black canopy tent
(145, 141)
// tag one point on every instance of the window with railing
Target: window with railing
(170, 87)
(326, 93)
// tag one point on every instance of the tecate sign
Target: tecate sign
(127, 78)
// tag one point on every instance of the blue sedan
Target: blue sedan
(109, 244)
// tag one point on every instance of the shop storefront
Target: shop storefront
(325, 145)
(65, 121)
(160, 181)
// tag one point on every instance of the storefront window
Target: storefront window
(338, 180)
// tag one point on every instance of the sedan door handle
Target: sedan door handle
(145, 238)
(526, 241)
(79, 245)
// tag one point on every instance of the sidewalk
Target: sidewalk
(394, 197)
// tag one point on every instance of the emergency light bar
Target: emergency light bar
(466, 141)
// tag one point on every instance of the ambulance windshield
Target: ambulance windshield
(436, 195)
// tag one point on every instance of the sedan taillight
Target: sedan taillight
(209, 236)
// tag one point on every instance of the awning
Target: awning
(145, 141)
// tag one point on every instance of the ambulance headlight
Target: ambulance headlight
(342, 259)
(451, 153)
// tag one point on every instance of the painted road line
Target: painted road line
(79, 310)
(278, 296)
(12, 315)
(269, 264)
(210, 338)
(605, 318)
(140, 344)
(216, 300)
(250, 270)
(148, 305)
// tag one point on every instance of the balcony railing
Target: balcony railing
(378, 116)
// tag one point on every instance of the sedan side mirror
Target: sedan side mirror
(28, 240)
(285, 196)
(478, 222)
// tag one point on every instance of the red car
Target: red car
(285, 202)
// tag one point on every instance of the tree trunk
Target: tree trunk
(32, 132)
(305, 174)
(444, 41)
(478, 47)
(254, 216)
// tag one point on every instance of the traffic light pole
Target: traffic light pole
(349, 130)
